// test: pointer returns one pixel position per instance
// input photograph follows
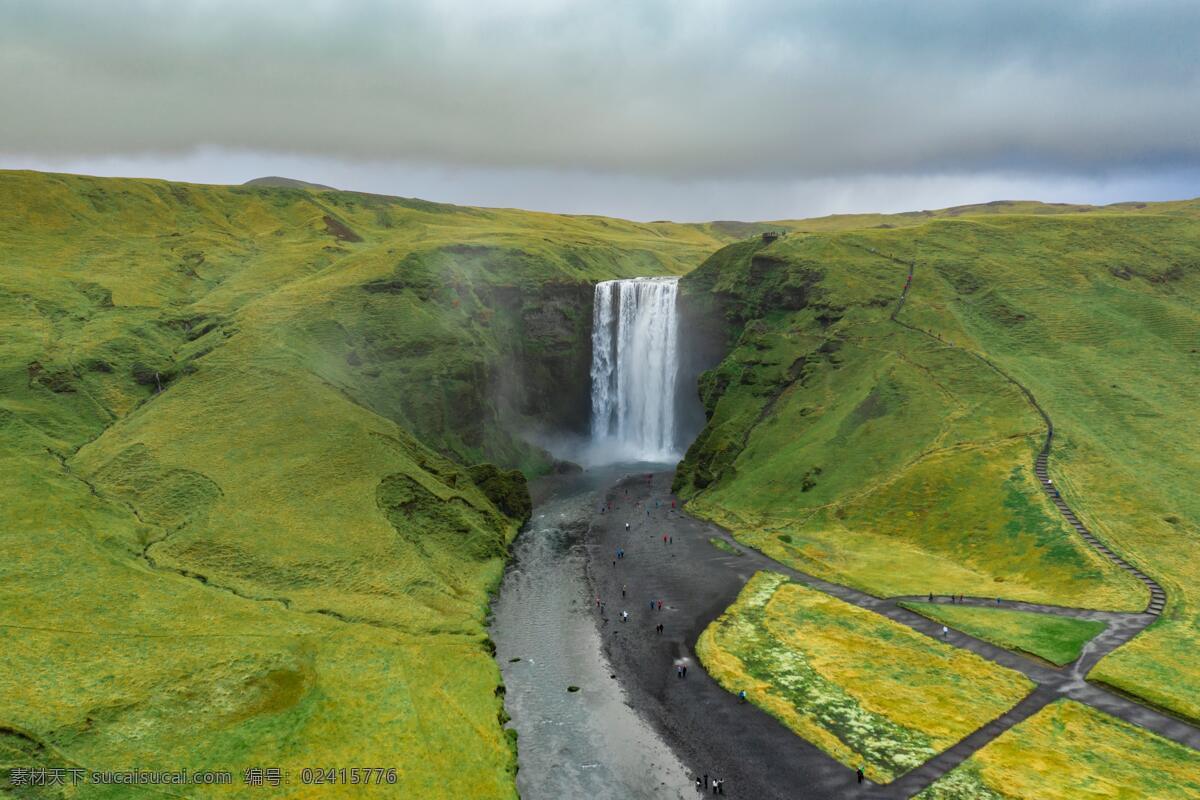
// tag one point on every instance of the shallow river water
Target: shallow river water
(588, 743)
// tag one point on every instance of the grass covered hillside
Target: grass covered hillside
(861, 450)
(244, 513)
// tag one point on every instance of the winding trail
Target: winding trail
(1158, 597)
(757, 755)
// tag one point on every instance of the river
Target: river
(588, 743)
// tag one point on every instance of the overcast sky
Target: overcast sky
(638, 108)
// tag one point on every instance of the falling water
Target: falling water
(635, 364)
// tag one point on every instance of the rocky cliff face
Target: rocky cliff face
(731, 347)
(704, 339)
(481, 351)
(546, 380)
(502, 359)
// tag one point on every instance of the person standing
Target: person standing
(859, 773)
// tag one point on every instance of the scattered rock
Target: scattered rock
(572, 688)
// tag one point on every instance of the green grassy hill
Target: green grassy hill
(860, 450)
(250, 511)
(240, 522)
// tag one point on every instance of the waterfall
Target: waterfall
(635, 363)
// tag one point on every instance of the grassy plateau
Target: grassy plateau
(865, 689)
(1058, 640)
(1069, 751)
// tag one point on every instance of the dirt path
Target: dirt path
(711, 731)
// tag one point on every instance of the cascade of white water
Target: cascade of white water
(635, 363)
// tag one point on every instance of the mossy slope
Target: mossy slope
(236, 425)
(854, 448)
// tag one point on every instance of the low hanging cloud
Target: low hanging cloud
(753, 90)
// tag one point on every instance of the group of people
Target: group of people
(705, 782)
(957, 598)
(619, 554)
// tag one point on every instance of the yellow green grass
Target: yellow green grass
(283, 557)
(1069, 751)
(907, 464)
(1058, 640)
(861, 451)
(866, 690)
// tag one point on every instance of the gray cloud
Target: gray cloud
(689, 109)
(748, 89)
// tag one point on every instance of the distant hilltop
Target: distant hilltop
(287, 183)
